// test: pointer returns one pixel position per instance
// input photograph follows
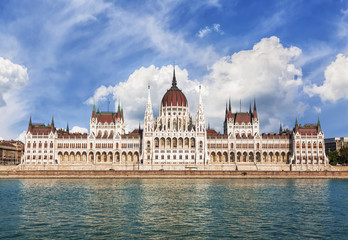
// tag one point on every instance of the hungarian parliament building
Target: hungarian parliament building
(176, 141)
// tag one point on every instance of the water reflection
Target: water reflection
(173, 208)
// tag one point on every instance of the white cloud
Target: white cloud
(12, 76)
(266, 72)
(335, 85)
(21, 137)
(133, 92)
(12, 105)
(203, 32)
(100, 94)
(206, 30)
(317, 109)
(77, 129)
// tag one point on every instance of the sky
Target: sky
(59, 57)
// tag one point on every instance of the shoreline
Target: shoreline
(194, 174)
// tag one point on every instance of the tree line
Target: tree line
(339, 157)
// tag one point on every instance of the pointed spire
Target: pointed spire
(122, 112)
(52, 125)
(93, 106)
(250, 108)
(98, 109)
(255, 112)
(148, 95)
(296, 123)
(67, 127)
(280, 128)
(229, 105)
(174, 78)
(200, 95)
(319, 126)
(226, 109)
(30, 125)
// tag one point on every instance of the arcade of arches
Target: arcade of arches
(267, 157)
(99, 157)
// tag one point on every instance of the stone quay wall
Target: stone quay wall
(98, 174)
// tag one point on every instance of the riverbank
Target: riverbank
(48, 174)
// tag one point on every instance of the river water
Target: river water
(174, 208)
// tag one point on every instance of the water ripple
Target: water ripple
(174, 208)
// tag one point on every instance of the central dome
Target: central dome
(174, 96)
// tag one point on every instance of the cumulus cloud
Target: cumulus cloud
(132, 93)
(207, 29)
(266, 72)
(335, 85)
(77, 129)
(100, 94)
(12, 76)
(12, 105)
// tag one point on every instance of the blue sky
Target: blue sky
(57, 57)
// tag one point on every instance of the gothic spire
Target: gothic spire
(30, 123)
(148, 95)
(174, 78)
(52, 123)
(255, 112)
(226, 109)
(280, 128)
(319, 126)
(250, 108)
(67, 127)
(229, 105)
(296, 123)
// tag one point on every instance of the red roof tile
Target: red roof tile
(242, 118)
(174, 97)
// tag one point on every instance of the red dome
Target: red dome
(174, 97)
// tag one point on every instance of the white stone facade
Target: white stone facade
(177, 141)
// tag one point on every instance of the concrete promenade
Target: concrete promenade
(194, 174)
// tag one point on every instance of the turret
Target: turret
(296, 125)
(148, 118)
(200, 121)
(319, 126)
(93, 110)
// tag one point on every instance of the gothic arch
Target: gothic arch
(98, 157)
(91, 157)
(117, 157)
(212, 157)
(192, 143)
(109, 157)
(232, 157)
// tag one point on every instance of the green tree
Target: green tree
(343, 158)
(334, 157)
